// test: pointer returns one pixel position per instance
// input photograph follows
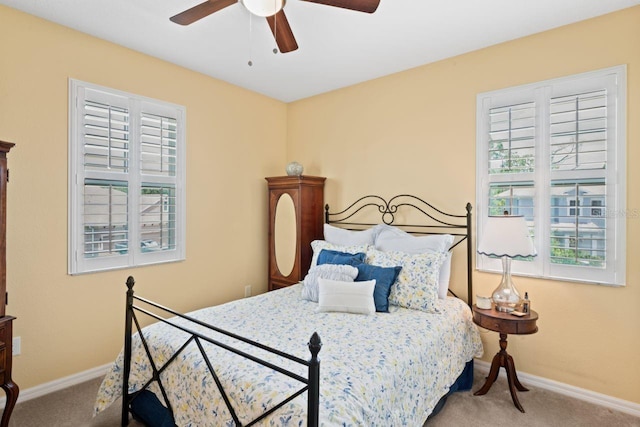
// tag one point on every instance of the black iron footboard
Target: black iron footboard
(311, 384)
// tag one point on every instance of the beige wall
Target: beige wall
(234, 139)
(415, 132)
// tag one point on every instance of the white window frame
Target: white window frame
(614, 80)
(134, 256)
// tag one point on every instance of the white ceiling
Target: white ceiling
(337, 47)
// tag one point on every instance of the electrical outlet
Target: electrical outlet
(247, 291)
(16, 343)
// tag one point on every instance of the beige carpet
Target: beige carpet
(73, 407)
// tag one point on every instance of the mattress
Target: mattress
(375, 370)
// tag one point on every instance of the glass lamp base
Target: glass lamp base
(506, 296)
(505, 308)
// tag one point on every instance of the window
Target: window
(126, 180)
(554, 152)
(596, 212)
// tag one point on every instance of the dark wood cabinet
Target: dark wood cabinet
(6, 322)
(307, 195)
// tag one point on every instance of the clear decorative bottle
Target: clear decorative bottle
(526, 303)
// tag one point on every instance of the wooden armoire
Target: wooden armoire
(6, 322)
(307, 195)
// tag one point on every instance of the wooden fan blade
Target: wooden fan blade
(190, 16)
(282, 32)
(368, 6)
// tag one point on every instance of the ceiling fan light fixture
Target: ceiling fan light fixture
(263, 7)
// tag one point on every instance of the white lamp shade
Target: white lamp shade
(506, 235)
(263, 7)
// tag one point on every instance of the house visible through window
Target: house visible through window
(126, 179)
(596, 212)
(554, 152)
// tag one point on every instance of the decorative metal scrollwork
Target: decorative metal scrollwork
(389, 209)
(436, 222)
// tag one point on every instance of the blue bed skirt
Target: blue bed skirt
(463, 383)
(465, 380)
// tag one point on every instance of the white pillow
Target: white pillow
(346, 273)
(347, 297)
(445, 276)
(417, 284)
(393, 239)
(318, 245)
(343, 237)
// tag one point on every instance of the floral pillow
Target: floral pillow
(417, 284)
(391, 238)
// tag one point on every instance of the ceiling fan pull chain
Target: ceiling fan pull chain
(275, 27)
(250, 38)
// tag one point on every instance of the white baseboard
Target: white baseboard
(59, 384)
(568, 390)
(481, 366)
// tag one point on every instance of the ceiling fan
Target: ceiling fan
(273, 11)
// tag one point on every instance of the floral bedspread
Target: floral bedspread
(379, 370)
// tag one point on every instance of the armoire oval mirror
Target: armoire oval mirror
(285, 234)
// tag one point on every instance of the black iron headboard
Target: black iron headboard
(435, 222)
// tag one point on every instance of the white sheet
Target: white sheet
(378, 370)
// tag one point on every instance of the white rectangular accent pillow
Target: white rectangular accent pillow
(344, 273)
(346, 297)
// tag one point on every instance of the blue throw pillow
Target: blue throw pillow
(327, 256)
(385, 277)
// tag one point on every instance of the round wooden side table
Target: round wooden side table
(504, 323)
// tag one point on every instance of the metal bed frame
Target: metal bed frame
(443, 223)
(311, 382)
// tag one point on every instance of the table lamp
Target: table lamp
(506, 237)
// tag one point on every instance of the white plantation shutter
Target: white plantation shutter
(157, 217)
(158, 166)
(578, 231)
(104, 136)
(578, 126)
(105, 130)
(105, 218)
(515, 198)
(578, 138)
(158, 142)
(554, 152)
(126, 177)
(512, 138)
